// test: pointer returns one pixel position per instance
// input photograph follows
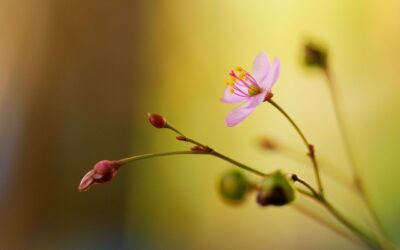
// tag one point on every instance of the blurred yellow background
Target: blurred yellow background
(77, 79)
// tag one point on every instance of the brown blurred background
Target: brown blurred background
(70, 72)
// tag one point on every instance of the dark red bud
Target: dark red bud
(103, 171)
(157, 121)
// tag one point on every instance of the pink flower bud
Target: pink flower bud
(103, 171)
(157, 121)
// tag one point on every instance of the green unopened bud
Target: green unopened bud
(275, 190)
(233, 186)
(315, 56)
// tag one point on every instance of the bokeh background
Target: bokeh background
(77, 79)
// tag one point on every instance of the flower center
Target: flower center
(243, 83)
(254, 90)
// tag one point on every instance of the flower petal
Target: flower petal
(256, 100)
(238, 115)
(231, 98)
(261, 67)
(268, 82)
(87, 181)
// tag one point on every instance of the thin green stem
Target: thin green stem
(343, 130)
(307, 212)
(365, 236)
(305, 192)
(124, 161)
(368, 239)
(358, 180)
(195, 142)
(308, 186)
(327, 168)
(310, 147)
(319, 197)
(210, 151)
(241, 165)
(307, 144)
(169, 126)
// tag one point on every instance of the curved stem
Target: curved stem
(327, 168)
(305, 192)
(207, 152)
(369, 239)
(211, 151)
(318, 196)
(241, 165)
(308, 186)
(310, 147)
(366, 237)
(169, 126)
(303, 137)
(307, 212)
(341, 125)
(124, 161)
(347, 145)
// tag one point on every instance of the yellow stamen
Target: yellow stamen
(230, 83)
(232, 90)
(239, 69)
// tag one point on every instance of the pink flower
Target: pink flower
(250, 90)
(102, 172)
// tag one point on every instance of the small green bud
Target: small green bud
(315, 55)
(233, 186)
(275, 190)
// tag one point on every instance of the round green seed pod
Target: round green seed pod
(275, 190)
(233, 186)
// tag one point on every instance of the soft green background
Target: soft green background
(78, 77)
(192, 46)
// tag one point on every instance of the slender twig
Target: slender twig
(310, 147)
(241, 165)
(317, 196)
(305, 192)
(210, 151)
(313, 194)
(365, 236)
(368, 238)
(358, 180)
(323, 221)
(169, 126)
(327, 167)
(304, 183)
(123, 161)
